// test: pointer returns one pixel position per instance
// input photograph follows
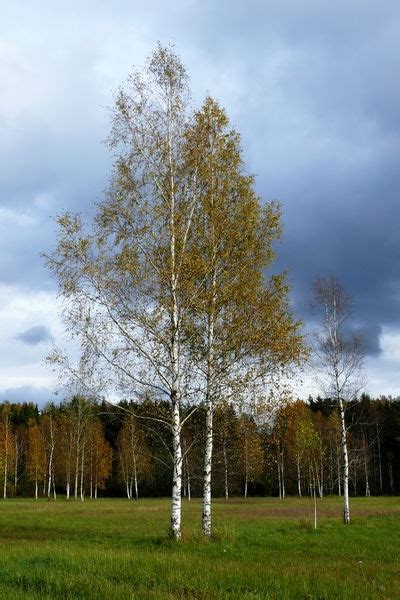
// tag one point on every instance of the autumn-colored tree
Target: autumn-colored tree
(36, 455)
(226, 431)
(241, 328)
(65, 449)
(19, 451)
(305, 446)
(334, 452)
(7, 448)
(250, 453)
(48, 427)
(133, 454)
(99, 457)
(80, 413)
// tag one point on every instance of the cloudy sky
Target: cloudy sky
(311, 85)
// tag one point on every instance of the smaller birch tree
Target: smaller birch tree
(338, 357)
(36, 456)
(133, 455)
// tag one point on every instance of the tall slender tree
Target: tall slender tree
(338, 356)
(36, 455)
(134, 459)
(7, 448)
(242, 329)
(123, 280)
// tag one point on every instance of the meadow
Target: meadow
(262, 548)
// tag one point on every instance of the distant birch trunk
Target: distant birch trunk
(76, 482)
(82, 474)
(16, 462)
(226, 487)
(51, 447)
(315, 506)
(339, 477)
(283, 476)
(91, 473)
(135, 478)
(6, 442)
(298, 477)
(189, 490)
(278, 466)
(367, 490)
(379, 458)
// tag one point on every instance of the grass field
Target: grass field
(263, 548)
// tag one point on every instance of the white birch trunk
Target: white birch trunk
(283, 476)
(367, 490)
(82, 469)
(5, 460)
(135, 478)
(50, 472)
(76, 472)
(379, 459)
(16, 445)
(225, 472)
(189, 490)
(346, 503)
(298, 477)
(207, 470)
(176, 504)
(279, 475)
(91, 473)
(315, 508)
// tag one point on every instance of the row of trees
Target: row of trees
(79, 448)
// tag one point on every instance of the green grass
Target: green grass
(263, 548)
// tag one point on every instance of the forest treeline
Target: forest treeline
(82, 449)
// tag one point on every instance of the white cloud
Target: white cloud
(20, 309)
(383, 371)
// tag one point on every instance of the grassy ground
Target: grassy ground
(263, 548)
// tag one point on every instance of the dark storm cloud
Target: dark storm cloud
(311, 86)
(35, 335)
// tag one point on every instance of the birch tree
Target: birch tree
(338, 358)
(48, 426)
(133, 455)
(7, 448)
(242, 329)
(65, 450)
(99, 458)
(250, 455)
(122, 278)
(36, 455)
